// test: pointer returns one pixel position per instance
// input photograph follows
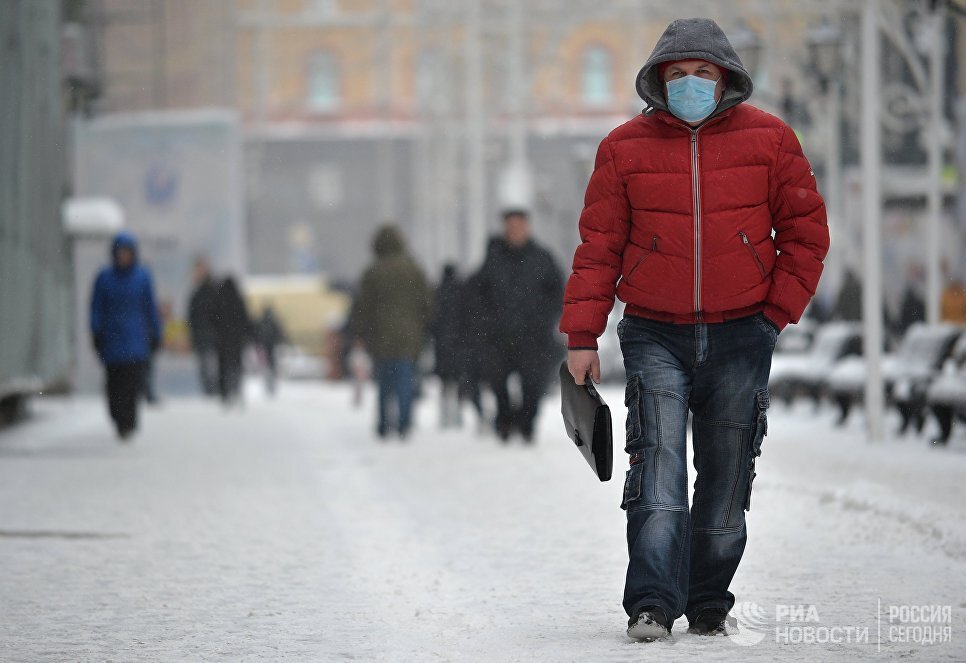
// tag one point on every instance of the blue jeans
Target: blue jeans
(397, 381)
(683, 560)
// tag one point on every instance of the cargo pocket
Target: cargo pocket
(635, 414)
(759, 432)
(632, 485)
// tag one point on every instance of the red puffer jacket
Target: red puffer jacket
(679, 221)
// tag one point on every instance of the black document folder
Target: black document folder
(587, 420)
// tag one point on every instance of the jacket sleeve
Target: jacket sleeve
(604, 226)
(801, 233)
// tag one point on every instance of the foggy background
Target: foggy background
(274, 136)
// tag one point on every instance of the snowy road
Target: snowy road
(285, 532)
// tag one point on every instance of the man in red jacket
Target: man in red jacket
(702, 215)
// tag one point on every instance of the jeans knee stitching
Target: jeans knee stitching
(657, 506)
(727, 424)
(718, 530)
(666, 392)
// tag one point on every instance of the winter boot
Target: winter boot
(649, 625)
(713, 621)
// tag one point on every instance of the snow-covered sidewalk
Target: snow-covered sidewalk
(287, 532)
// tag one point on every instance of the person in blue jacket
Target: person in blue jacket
(125, 328)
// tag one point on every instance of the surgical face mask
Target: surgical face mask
(691, 98)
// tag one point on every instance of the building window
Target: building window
(321, 8)
(428, 75)
(324, 82)
(597, 83)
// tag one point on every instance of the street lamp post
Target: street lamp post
(933, 129)
(825, 43)
(872, 213)
(920, 105)
(475, 236)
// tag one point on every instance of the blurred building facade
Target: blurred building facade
(360, 111)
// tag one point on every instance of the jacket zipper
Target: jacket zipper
(754, 254)
(644, 257)
(696, 194)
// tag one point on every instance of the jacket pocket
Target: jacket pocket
(635, 414)
(754, 253)
(645, 256)
(759, 432)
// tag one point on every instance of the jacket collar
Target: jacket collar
(667, 118)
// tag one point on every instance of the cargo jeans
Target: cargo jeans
(682, 559)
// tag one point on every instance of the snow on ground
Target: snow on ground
(285, 531)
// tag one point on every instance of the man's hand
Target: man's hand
(582, 362)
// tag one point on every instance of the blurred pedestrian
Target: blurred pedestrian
(201, 323)
(448, 346)
(475, 347)
(848, 306)
(125, 330)
(678, 222)
(912, 307)
(233, 331)
(391, 317)
(520, 290)
(268, 336)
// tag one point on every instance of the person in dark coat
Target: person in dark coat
(520, 290)
(848, 306)
(448, 345)
(391, 318)
(232, 333)
(125, 329)
(268, 336)
(912, 310)
(201, 324)
(475, 345)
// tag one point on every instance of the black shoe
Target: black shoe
(650, 624)
(713, 621)
(124, 434)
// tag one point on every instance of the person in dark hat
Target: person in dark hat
(518, 293)
(233, 332)
(201, 323)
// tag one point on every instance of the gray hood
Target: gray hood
(694, 39)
